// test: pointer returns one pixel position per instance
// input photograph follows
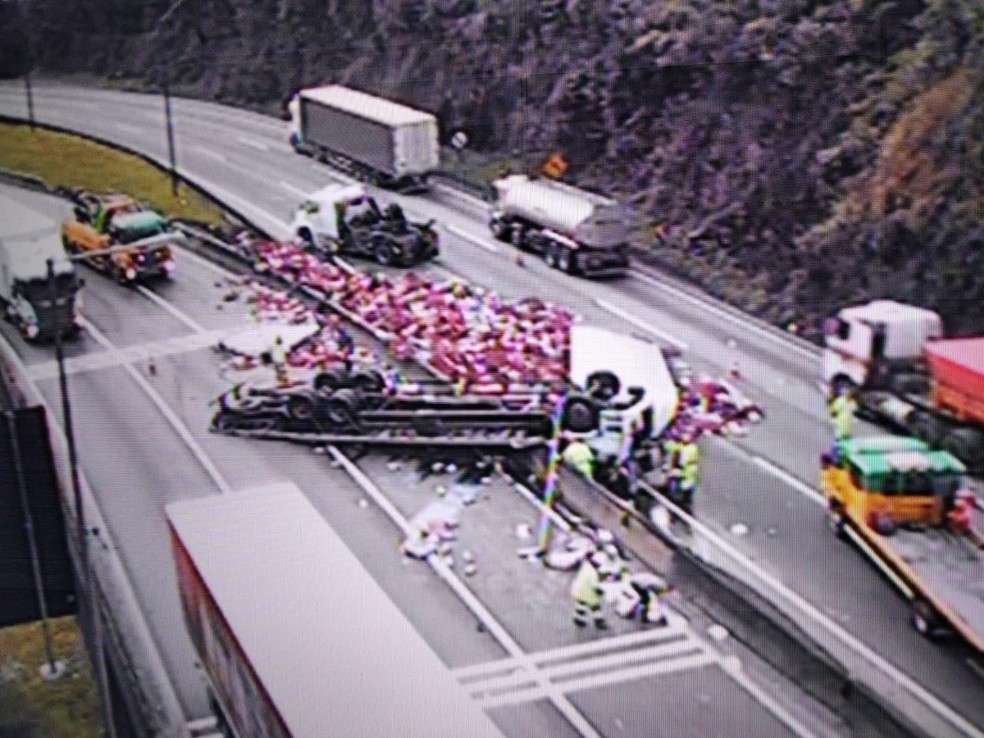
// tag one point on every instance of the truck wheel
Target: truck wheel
(967, 444)
(499, 230)
(300, 408)
(549, 257)
(580, 415)
(343, 407)
(333, 379)
(606, 385)
(926, 427)
(383, 253)
(564, 261)
(305, 236)
(837, 521)
(368, 381)
(925, 620)
(518, 237)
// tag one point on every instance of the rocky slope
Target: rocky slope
(788, 155)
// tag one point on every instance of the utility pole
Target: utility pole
(170, 134)
(30, 99)
(88, 602)
(54, 668)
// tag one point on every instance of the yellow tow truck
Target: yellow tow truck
(905, 506)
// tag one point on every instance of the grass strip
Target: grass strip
(67, 707)
(73, 162)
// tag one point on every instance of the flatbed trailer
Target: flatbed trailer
(897, 501)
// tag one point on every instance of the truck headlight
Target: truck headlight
(131, 273)
(31, 330)
(168, 266)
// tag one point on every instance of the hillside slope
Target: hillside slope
(788, 155)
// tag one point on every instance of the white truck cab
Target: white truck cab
(317, 219)
(880, 331)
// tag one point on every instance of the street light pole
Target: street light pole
(30, 99)
(170, 134)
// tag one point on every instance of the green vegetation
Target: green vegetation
(71, 162)
(67, 707)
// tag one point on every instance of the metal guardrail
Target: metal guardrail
(137, 658)
(899, 693)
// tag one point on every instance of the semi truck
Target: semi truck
(295, 637)
(906, 376)
(389, 144)
(345, 219)
(27, 241)
(575, 231)
(120, 237)
(904, 506)
(620, 397)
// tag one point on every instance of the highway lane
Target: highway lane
(779, 374)
(138, 462)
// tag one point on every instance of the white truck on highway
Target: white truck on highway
(575, 231)
(389, 144)
(27, 241)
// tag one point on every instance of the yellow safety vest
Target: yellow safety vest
(578, 455)
(585, 587)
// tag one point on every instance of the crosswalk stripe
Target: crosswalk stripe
(561, 673)
(129, 354)
(693, 661)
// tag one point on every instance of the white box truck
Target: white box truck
(576, 231)
(27, 240)
(389, 144)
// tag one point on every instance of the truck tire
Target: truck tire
(368, 381)
(608, 385)
(333, 379)
(967, 444)
(550, 256)
(581, 415)
(500, 231)
(300, 408)
(836, 520)
(926, 427)
(343, 408)
(925, 620)
(305, 236)
(518, 236)
(383, 253)
(564, 261)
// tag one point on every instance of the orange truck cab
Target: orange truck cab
(125, 239)
(905, 506)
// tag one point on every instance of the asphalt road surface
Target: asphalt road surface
(756, 492)
(143, 443)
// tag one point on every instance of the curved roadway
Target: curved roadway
(762, 482)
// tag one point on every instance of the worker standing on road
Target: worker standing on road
(578, 456)
(688, 461)
(586, 591)
(278, 355)
(842, 409)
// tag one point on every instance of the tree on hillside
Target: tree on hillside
(15, 47)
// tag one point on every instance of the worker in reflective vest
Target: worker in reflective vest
(842, 409)
(578, 456)
(278, 355)
(586, 591)
(688, 460)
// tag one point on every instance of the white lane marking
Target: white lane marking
(139, 352)
(783, 475)
(482, 669)
(277, 228)
(480, 242)
(638, 323)
(292, 189)
(253, 143)
(203, 262)
(211, 154)
(564, 672)
(491, 625)
(745, 321)
(732, 666)
(169, 415)
(170, 309)
(600, 680)
(869, 658)
(544, 509)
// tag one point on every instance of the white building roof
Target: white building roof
(367, 106)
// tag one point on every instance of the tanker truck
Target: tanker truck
(906, 376)
(388, 144)
(27, 241)
(575, 231)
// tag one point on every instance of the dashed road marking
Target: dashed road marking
(211, 154)
(783, 475)
(638, 323)
(297, 191)
(480, 242)
(170, 309)
(253, 143)
(173, 420)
